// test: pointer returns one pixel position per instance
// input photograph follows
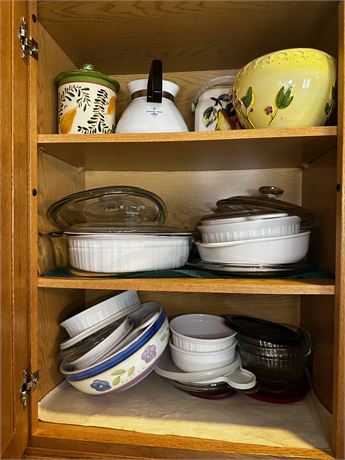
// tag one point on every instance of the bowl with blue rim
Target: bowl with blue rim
(130, 363)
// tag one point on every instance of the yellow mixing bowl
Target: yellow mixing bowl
(291, 88)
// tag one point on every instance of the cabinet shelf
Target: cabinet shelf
(238, 149)
(215, 285)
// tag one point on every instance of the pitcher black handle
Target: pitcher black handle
(154, 84)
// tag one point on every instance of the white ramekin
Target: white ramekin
(194, 361)
(201, 333)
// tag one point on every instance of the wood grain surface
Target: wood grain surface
(130, 444)
(197, 35)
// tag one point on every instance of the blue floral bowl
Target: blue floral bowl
(126, 368)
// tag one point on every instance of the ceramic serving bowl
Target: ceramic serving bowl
(201, 333)
(285, 89)
(251, 227)
(99, 312)
(125, 253)
(275, 250)
(126, 367)
(194, 361)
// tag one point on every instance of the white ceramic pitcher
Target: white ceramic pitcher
(152, 108)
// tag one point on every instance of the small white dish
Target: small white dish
(77, 338)
(201, 332)
(194, 361)
(139, 327)
(99, 312)
(102, 349)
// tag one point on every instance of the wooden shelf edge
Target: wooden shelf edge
(215, 285)
(119, 439)
(191, 136)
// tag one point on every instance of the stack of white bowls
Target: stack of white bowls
(201, 342)
(259, 238)
(114, 344)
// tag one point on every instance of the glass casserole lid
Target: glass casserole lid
(113, 205)
(112, 229)
(266, 205)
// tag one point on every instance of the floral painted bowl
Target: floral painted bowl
(284, 89)
(126, 368)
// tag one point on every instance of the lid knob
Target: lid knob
(88, 68)
(271, 191)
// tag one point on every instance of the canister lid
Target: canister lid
(87, 74)
(242, 206)
(115, 205)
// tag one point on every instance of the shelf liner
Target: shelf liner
(187, 272)
(155, 406)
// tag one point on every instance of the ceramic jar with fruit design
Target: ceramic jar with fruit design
(86, 101)
(285, 89)
(213, 106)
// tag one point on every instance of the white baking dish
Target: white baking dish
(127, 252)
(251, 227)
(275, 250)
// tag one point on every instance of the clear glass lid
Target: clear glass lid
(129, 228)
(115, 205)
(242, 206)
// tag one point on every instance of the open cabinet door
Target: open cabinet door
(14, 217)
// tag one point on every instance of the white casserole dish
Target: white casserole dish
(251, 227)
(275, 250)
(130, 252)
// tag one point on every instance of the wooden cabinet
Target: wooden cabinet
(190, 171)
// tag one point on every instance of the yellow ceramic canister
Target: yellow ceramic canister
(284, 89)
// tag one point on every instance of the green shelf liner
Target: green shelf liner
(188, 272)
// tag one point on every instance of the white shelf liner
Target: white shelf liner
(155, 406)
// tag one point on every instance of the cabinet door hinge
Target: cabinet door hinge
(29, 384)
(28, 45)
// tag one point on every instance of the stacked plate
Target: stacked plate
(202, 357)
(260, 234)
(113, 345)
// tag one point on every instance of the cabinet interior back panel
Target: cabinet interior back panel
(190, 195)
